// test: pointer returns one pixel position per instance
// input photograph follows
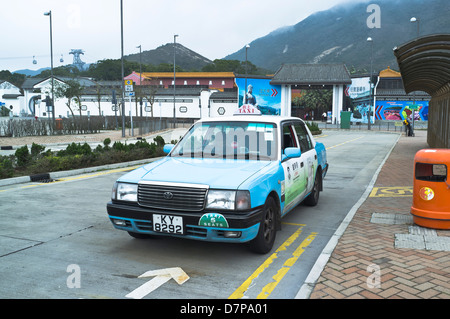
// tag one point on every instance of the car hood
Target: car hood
(217, 173)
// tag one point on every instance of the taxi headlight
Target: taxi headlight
(229, 200)
(125, 192)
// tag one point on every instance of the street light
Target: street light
(245, 89)
(123, 75)
(140, 75)
(49, 14)
(369, 39)
(415, 20)
(174, 77)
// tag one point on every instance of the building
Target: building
(391, 100)
(212, 80)
(10, 96)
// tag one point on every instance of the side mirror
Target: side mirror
(292, 152)
(168, 148)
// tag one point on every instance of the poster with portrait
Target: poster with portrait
(261, 94)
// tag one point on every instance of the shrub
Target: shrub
(76, 149)
(106, 142)
(159, 141)
(314, 128)
(36, 149)
(6, 167)
(22, 156)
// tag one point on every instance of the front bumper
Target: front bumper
(138, 219)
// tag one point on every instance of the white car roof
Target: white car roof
(250, 118)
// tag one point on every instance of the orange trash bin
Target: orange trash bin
(431, 193)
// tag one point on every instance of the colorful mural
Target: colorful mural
(398, 110)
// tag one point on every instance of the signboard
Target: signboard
(128, 82)
(247, 109)
(359, 88)
(128, 88)
(396, 110)
(261, 94)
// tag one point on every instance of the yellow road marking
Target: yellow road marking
(267, 290)
(239, 293)
(402, 191)
(344, 142)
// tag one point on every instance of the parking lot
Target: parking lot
(56, 240)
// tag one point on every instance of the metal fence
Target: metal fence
(392, 126)
(19, 127)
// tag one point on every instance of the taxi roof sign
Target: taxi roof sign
(247, 109)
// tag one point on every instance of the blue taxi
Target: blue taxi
(229, 179)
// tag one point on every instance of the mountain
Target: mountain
(185, 58)
(29, 72)
(340, 35)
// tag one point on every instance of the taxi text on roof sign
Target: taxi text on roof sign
(247, 109)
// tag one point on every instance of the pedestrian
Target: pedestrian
(324, 117)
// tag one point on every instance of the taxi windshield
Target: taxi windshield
(229, 140)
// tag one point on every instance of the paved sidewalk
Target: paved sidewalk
(380, 256)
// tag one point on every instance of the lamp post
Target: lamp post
(174, 77)
(245, 89)
(123, 75)
(415, 20)
(369, 39)
(49, 14)
(140, 76)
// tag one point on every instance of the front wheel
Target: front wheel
(263, 242)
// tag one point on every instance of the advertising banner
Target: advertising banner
(398, 110)
(261, 94)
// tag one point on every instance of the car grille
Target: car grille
(171, 196)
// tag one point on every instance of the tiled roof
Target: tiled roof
(314, 74)
(188, 74)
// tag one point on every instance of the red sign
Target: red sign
(247, 109)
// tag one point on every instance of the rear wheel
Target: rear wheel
(263, 242)
(313, 198)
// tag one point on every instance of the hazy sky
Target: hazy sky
(211, 28)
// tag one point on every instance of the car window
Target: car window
(231, 140)
(303, 137)
(288, 137)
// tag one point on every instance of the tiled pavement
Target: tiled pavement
(368, 262)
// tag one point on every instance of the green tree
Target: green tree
(72, 90)
(316, 99)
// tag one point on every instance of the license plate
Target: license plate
(168, 224)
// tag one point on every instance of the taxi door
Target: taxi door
(294, 170)
(309, 154)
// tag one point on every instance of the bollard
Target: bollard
(431, 193)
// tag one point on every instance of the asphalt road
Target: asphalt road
(56, 240)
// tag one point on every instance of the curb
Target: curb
(308, 286)
(60, 174)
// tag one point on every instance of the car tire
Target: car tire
(265, 238)
(139, 235)
(313, 198)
